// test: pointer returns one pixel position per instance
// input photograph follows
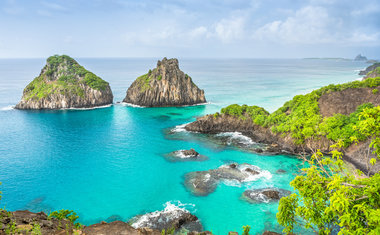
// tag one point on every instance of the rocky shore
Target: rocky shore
(164, 86)
(156, 223)
(343, 101)
(63, 84)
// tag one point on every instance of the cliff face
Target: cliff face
(166, 85)
(62, 84)
(346, 101)
(369, 69)
(330, 102)
(226, 123)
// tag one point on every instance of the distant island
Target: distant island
(62, 84)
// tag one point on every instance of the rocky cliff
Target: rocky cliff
(300, 125)
(369, 69)
(166, 85)
(62, 84)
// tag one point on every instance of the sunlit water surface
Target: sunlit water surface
(110, 161)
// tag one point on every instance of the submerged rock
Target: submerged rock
(185, 155)
(202, 183)
(164, 86)
(264, 195)
(62, 84)
(171, 217)
(281, 171)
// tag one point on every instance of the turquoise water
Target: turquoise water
(109, 161)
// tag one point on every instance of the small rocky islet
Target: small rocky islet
(164, 86)
(63, 84)
(185, 155)
(202, 183)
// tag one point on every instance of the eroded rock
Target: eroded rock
(166, 85)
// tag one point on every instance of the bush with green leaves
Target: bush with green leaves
(246, 230)
(66, 214)
(328, 197)
(300, 117)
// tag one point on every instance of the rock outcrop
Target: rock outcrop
(360, 57)
(24, 222)
(62, 84)
(164, 86)
(172, 217)
(346, 101)
(369, 69)
(264, 195)
(202, 183)
(185, 155)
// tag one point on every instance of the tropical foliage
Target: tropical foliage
(329, 198)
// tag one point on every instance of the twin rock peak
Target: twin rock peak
(63, 84)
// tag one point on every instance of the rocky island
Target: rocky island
(62, 84)
(164, 86)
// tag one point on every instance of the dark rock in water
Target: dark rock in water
(62, 84)
(171, 217)
(265, 195)
(253, 172)
(202, 183)
(190, 153)
(185, 155)
(360, 58)
(164, 86)
(281, 171)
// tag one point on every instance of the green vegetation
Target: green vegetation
(246, 230)
(36, 229)
(143, 82)
(257, 114)
(70, 75)
(95, 82)
(300, 117)
(159, 77)
(374, 91)
(66, 214)
(169, 231)
(328, 197)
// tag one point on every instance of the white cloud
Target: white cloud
(228, 30)
(199, 32)
(308, 25)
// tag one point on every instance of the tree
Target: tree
(331, 198)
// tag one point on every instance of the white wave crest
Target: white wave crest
(132, 105)
(173, 210)
(97, 107)
(180, 128)
(237, 137)
(7, 108)
(180, 154)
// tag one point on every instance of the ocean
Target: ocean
(109, 163)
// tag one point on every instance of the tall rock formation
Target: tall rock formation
(62, 84)
(164, 86)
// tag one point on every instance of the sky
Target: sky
(190, 28)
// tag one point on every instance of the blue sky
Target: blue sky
(190, 28)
